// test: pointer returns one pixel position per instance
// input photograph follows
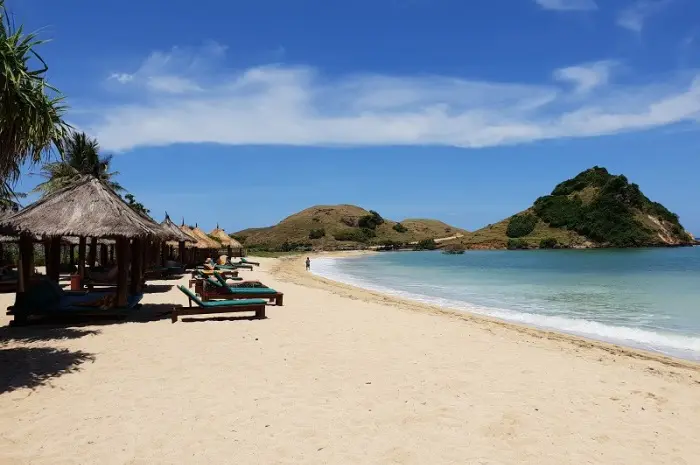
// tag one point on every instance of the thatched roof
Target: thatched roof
(199, 234)
(181, 235)
(225, 240)
(201, 243)
(87, 208)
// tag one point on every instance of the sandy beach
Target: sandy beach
(337, 376)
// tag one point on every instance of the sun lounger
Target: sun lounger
(234, 266)
(209, 290)
(243, 260)
(219, 306)
(46, 298)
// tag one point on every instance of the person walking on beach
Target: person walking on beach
(308, 264)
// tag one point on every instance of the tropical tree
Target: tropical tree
(31, 110)
(136, 205)
(81, 157)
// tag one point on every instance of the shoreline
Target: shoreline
(292, 269)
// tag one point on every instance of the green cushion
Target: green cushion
(220, 303)
(234, 303)
(252, 290)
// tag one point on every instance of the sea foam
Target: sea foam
(686, 347)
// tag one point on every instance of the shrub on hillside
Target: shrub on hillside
(426, 244)
(517, 244)
(371, 221)
(521, 225)
(317, 233)
(294, 247)
(355, 235)
(549, 243)
(398, 227)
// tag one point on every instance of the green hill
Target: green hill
(342, 226)
(594, 209)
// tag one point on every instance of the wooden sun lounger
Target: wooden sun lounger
(210, 289)
(220, 306)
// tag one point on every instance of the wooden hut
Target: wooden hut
(86, 208)
(200, 249)
(233, 247)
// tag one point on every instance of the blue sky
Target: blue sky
(243, 112)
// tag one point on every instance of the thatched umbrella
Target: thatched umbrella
(199, 234)
(227, 241)
(195, 248)
(87, 208)
(182, 237)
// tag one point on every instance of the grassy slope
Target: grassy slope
(333, 219)
(494, 236)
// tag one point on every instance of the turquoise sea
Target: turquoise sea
(643, 298)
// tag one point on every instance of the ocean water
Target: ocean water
(642, 298)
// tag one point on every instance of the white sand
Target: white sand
(338, 376)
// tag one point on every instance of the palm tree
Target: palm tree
(30, 109)
(81, 157)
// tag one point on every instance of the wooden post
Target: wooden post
(164, 248)
(82, 244)
(136, 266)
(181, 252)
(72, 255)
(54, 259)
(48, 263)
(92, 256)
(2, 253)
(111, 252)
(103, 254)
(25, 265)
(122, 249)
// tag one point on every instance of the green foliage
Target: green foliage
(81, 157)
(355, 235)
(594, 177)
(370, 221)
(521, 225)
(293, 247)
(136, 206)
(549, 243)
(426, 244)
(239, 237)
(398, 227)
(317, 233)
(31, 110)
(610, 217)
(517, 244)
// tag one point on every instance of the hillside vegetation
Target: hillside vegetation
(594, 209)
(342, 226)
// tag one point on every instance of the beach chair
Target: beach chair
(218, 306)
(234, 266)
(46, 298)
(243, 260)
(221, 289)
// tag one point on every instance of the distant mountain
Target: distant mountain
(343, 226)
(594, 209)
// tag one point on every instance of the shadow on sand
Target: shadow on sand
(220, 318)
(30, 367)
(157, 288)
(42, 334)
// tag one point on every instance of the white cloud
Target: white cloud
(634, 17)
(296, 105)
(586, 77)
(568, 5)
(122, 77)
